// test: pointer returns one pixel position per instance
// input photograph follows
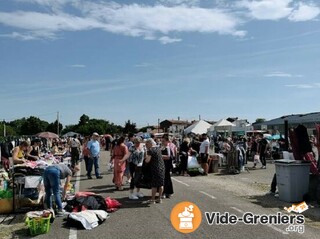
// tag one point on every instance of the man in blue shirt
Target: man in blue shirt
(94, 149)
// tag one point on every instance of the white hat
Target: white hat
(95, 134)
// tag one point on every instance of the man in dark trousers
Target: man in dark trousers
(262, 150)
(75, 149)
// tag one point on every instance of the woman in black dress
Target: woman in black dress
(166, 156)
(185, 148)
(154, 159)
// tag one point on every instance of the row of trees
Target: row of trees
(85, 126)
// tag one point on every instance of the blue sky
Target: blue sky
(164, 59)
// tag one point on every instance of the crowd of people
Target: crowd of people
(132, 157)
(144, 163)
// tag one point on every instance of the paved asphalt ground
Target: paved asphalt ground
(235, 194)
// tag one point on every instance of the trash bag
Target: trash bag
(194, 168)
(193, 162)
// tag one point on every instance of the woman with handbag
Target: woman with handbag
(157, 168)
(185, 148)
(135, 157)
(167, 158)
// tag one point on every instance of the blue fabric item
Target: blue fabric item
(51, 180)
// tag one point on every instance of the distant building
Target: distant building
(174, 126)
(308, 120)
(178, 126)
(241, 126)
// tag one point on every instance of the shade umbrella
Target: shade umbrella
(267, 136)
(48, 135)
(276, 136)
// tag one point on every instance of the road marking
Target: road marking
(269, 225)
(277, 229)
(207, 194)
(73, 231)
(7, 220)
(180, 182)
(238, 210)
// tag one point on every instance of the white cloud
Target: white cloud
(139, 19)
(149, 22)
(304, 86)
(281, 74)
(304, 13)
(26, 36)
(20, 36)
(44, 22)
(231, 75)
(166, 40)
(180, 2)
(48, 2)
(267, 9)
(280, 9)
(144, 64)
(78, 66)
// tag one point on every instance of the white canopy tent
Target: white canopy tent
(222, 125)
(199, 127)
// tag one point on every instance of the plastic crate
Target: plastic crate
(38, 225)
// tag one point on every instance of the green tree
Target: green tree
(144, 129)
(129, 127)
(96, 125)
(260, 120)
(17, 125)
(6, 129)
(33, 125)
(53, 127)
(84, 119)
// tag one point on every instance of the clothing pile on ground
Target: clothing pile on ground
(88, 210)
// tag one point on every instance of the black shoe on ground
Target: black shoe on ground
(89, 177)
(99, 177)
